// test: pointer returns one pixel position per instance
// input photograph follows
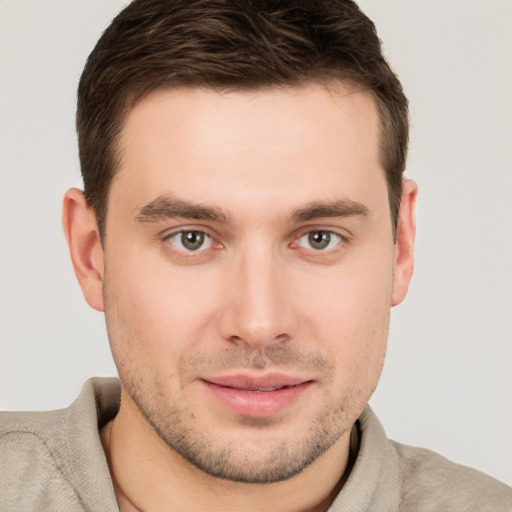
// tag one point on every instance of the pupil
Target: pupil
(192, 240)
(319, 239)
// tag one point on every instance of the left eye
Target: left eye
(190, 241)
(319, 240)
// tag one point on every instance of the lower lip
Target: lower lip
(258, 404)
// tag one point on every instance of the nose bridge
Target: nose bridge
(257, 311)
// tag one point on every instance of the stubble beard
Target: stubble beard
(261, 460)
(248, 464)
(270, 460)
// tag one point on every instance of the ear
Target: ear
(81, 230)
(404, 247)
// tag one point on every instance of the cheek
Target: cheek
(355, 297)
(350, 314)
(157, 312)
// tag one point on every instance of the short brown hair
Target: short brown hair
(230, 44)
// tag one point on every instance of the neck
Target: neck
(148, 475)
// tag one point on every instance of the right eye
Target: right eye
(190, 240)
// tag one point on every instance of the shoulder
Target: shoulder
(29, 433)
(54, 460)
(432, 482)
(390, 477)
(32, 465)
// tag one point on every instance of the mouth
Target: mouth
(257, 397)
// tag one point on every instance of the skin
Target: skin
(257, 298)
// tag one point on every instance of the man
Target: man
(245, 227)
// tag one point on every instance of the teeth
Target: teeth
(262, 390)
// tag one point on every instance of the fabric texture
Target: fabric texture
(54, 461)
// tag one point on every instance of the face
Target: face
(249, 272)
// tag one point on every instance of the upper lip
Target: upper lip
(267, 382)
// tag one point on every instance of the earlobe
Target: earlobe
(81, 230)
(404, 247)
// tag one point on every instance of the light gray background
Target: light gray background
(447, 382)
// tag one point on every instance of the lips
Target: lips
(257, 397)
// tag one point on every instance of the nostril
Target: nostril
(280, 338)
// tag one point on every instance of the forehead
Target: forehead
(279, 144)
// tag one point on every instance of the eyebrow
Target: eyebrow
(165, 207)
(339, 208)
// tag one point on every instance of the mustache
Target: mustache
(273, 356)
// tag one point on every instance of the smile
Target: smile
(257, 397)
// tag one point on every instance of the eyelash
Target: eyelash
(183, 250)
(340, 241)
(327, 235)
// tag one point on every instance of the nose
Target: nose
(257, 309)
